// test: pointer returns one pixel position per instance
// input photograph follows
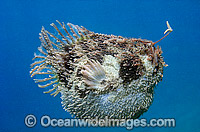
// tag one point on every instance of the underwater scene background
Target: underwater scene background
(177, 96)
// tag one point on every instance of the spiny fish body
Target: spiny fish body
(98, 75)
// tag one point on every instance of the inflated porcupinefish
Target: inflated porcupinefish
(98, 75)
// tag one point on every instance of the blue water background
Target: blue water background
(177, 96)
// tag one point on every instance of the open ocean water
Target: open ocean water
(177, 96)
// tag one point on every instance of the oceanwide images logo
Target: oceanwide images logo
(47, 121)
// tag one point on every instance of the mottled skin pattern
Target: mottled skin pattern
(98, 75)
